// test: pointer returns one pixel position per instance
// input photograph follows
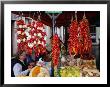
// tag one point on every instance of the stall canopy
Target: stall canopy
(64, 17)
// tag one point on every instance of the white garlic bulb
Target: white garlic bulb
(18, 41)
(20, 26)
(18, 32)
(24, 40)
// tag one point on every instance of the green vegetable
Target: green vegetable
(69, 71)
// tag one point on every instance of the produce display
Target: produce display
(85, 68)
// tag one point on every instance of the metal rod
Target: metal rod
(57, 16)
(49, 15)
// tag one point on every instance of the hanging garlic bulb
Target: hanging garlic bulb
(18, 40)
(24, 40)
(20, 26)
(18, 32)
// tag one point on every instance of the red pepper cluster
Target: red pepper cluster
(73, 41)
(20, 35)
(85, 37)
(55, 49)
(79, 41)
(38, 48)
(32, 41)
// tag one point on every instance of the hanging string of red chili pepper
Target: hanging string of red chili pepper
(79, 41)
(85, 37)
(55, 49)
(73, 41)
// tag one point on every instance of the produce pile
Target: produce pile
(69, 71)
(43, 72)
(86, 72)
(39, 72)
(88, 69)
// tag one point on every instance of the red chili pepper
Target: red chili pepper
(55, 49)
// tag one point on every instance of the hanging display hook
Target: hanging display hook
(71, 18)
(21, 15)
(29, 15)
(33, 15)
(39, 14)
(84, 15)
(76, 15)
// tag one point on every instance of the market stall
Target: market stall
(56, 54)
